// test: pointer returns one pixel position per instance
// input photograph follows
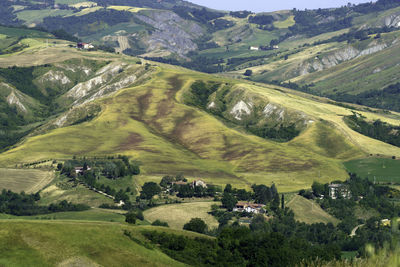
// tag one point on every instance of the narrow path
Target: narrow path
(353, 232)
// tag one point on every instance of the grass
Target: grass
(383, 169)
(309, 211)
(37, 16)
(27, 180)
(176, 215)
(127, 8)
(71, 243)
(84, 4)
(78, 194)
(19, 32)
(285, 23)
(96, 214)
(86, 11)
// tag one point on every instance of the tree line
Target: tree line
(23, 204)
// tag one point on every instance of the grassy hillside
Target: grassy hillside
(62, 243)
(309, 212)
(151, 123)
(27, 180)
(176, 215)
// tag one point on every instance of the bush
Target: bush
(196, 225)
(130, 217)
(160, 223)
(248, 73)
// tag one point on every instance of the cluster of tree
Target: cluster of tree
(241, 246)
(378, 130)
(237, 61)
(202, 15)
(201, 91)
(187, 190)
(364, 194)
(26, 204)
(357, 34)
(198, 62)
(387, 98)
(221, 24)
(111, 168)
(309, 21)
(7, 16)
(160, 223)
(280, 133)
(73, 24)
(62, 34)
(377, 6)
(261, 19)
(280, 241)
(240, 14)
(149, 190)
(132, 216)
(196, 225)
(261, 194)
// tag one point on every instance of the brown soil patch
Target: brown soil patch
(131, 142)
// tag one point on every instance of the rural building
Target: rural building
(201, 183)
(254, 48)
(336, 190)
(179, 183)
(248, 207)
(275, 47)
(80, 170)
(84, 46)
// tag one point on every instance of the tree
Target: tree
(149, 190)
(59, 166)
(130, 217)
(228, 201)
(318, 189)
(228, 188)
(262, 194)
(160, 223)
(275, 203)
(196, 225)
(166, 181)
(248, 73)
(283, 202)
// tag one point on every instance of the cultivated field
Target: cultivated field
(78, 194)
(309, 211)
(176, 215)
(380, 169)
(27, 180)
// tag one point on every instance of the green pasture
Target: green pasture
(378, 169)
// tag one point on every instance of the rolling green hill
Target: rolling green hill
(318, 50)
(66, 243)
(156, 122)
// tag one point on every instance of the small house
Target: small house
(336, 190)
(201, 183)
(248, 207)
(254, 48)
(84, 46)
(80, 170)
